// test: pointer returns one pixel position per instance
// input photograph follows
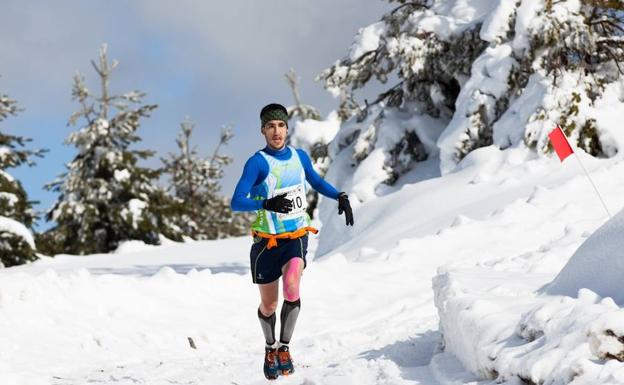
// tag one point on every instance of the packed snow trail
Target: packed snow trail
(359, 324)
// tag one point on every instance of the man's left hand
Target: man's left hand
(345, 206)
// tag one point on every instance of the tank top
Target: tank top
(285, 176)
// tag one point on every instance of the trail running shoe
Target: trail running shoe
(271, 364)
(285, 362)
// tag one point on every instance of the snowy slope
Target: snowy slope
(597, 265)
(368, 314)
(505, 320)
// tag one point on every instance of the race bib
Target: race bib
(298, 197)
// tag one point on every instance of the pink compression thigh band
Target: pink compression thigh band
(291, 280)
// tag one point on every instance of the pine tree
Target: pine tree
(17, 245)
(106, 197)
(428, 69)
(581, 52)
(188, 176)
(196, 182)
(221, 221)
(464, 84)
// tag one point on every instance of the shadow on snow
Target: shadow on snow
(149, 270)
(411, 356)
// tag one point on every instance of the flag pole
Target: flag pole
(593, 184)
(586, 173)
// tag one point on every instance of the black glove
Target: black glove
(278, 203)
(343, 205)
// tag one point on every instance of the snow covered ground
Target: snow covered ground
(499, 228)
(505, 324)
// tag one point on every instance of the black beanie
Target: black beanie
(273, 111)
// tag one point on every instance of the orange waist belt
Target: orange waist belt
(288, 235)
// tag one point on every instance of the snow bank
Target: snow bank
(499, 328)
(597, 265)
(504, 319)
(478, 312)
(542, 192)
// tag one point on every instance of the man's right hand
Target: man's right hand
(278, 203)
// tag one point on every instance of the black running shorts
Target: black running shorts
(266, 265)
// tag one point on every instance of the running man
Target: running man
(273, 183)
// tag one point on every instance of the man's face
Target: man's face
(275, 132)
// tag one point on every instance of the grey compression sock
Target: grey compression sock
(268, 327)
(288, 318)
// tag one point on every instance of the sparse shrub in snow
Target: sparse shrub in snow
(104, 186)
(16, 213)
(500, 72)
(204, 213)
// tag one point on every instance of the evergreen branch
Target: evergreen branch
(615, 59)
(416, 5)
(97, 69)
(608, 22)
(606, 4)
(8, 107)
(386, 94)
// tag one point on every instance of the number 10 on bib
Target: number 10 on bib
(297, 195)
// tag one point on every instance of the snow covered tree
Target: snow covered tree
(196, 183)
(17, 244)
(188, 174)
(221, 221)
(106, 197)
(472, 74)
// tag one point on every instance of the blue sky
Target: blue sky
(217, 62)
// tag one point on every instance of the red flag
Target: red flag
(560, 143)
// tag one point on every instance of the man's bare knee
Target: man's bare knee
(268, 308)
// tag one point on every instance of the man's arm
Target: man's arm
(240, 199)
(315, 180)
(320, 185)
